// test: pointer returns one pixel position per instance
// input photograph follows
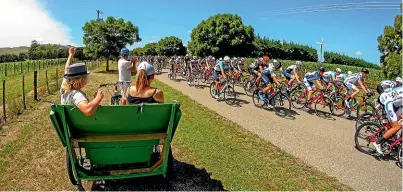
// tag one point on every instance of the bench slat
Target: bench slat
(112, 138)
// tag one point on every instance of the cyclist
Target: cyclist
(392, 102)
(292, 73)
(388, 84)
(328, 77)
(125, 68)
(194, 62)
(253, 70)
(269, 76)
(349, 73)
(310, 85)
(351, 82)
(220, 68)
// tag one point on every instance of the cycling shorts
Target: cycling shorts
(235, 69)
(350, 87)
(287, 75)
(309, 85)
(216, 75)
(393, 112)
(267, 78)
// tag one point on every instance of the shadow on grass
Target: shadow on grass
(187, 178)
(111, 71)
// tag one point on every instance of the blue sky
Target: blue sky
(345, 31)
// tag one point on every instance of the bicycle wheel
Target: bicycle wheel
(229, 95)
(213, 90)
(364, 137)
(366, 117)
(282, 104)
(256, 99)
(324, 106)
(298, 99)
(249, 88)
(339, 108)
(364, 109)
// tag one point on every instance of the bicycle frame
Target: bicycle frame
(374, 138)
(317, 97)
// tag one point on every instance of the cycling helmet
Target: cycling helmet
(260, 59)
(349, 73)
(179, 57)
(124, 52)
(298, 63)
(187, 55)
(365, 70)
(226, 58)
(220, 58)
(213, 58)
(338, 70)
(322, 69)
(234, 58)
(399, 79)
(194, 57)
(276, 64)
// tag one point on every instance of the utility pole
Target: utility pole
(99, 12)
(321, 50)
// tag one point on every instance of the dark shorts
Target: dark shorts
(216, 75)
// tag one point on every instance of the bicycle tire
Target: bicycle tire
(328, 103)
(213, 89)
(368, 105)
(229, 95)
(366, 117)
(256, 100)
(281, 104)
(298, 99)
(339, 108)
(368, 127)
(249, 88)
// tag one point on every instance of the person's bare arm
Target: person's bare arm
(159, 96)
(69, 61)
(363, 86)
(89, 108)
(320, 84)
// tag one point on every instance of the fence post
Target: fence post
(23, 92)
(5, 70)
(57, 78)
(4, 101)
(36, 85)
(28, 64)
(14, 67)
(47, 81)
(20, 67)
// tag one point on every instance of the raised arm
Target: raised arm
(69, 61)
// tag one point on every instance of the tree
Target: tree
(105, 38)
(222, 34)
(150, 49)
(171, 46)
(390, 46)
(137, 51)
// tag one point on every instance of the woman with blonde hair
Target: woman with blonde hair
(142, 92)
(75, 78)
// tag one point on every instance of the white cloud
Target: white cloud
(152, 41)
(22, 21)
(358, 53)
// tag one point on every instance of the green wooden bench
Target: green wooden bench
(117, 142)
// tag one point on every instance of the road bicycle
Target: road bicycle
(319, 98)
(195, 78)
(225, 92)
(362, 106)
(369, 132)
(280, 101)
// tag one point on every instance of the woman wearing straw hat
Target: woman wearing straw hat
(75, 78)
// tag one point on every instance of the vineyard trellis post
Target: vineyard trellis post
(23, 92)
(36, 85)
(14, 67)
(4, 101)
(21, 67)
(47, 81)
(5, 70)
(57, 78)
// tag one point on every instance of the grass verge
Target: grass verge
(235, 158)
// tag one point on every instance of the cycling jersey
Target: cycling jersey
(292, 69)
(393, 102)
(354, 79)
(328, 76)
(268, 74)
(194, 62)
(312, 76)
(388, 84)
(341, 76)
(221, 66)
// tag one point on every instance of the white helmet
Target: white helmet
(298, 63)
(349, 72)
(187, 55)
(399, 79)
(194, 57)
(338, 70)
(226, 58)
(213, 58)
(220, 58)
(234, 58)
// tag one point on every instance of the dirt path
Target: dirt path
(327, 144)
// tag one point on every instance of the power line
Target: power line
(330, 7)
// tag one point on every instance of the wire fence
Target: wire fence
(20, 91)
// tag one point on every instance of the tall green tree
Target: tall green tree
(137, 51)
(222, 34)
(104, 39)
(390, 46)
(150, 49)
(171, 46)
